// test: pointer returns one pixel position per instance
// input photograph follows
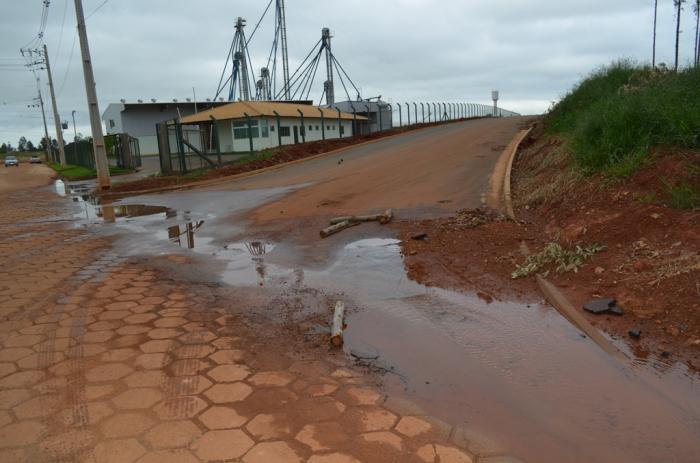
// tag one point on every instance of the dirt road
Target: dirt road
(24, 177)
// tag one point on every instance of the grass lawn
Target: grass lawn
(71, 172)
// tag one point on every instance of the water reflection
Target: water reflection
(258, 249)
(175, 233)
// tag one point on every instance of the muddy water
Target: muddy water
(515, 374)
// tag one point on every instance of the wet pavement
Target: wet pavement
(175, 327)
(514, 375)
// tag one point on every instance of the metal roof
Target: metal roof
(239, 109)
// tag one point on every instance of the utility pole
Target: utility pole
(329, 85)
(98, 142)
(57, 119)
(653, 53)
(75, 137)
(46, 129)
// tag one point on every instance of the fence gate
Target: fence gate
(183, 148)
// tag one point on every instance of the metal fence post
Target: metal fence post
(408, 113)
(180, 147)
(369, 120)
(340, 124)
(422, 110)
(215, 130)
(415, 109)
(400, 118)
(354, 120)
(303, 127)
(279, 128)
(391, 114)
(250, 130)
(379, 113)
(323, 125)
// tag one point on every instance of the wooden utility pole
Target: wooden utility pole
(56, 117)
(679, 4)
(653, 53)
(103, 180)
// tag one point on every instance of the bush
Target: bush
(613, 118)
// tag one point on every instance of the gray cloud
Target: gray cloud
(405, 50)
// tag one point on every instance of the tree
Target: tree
(679, 8)
(3, 148)
(30, 146)
(653, 53)
(22, 144)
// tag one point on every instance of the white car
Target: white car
(11, 161)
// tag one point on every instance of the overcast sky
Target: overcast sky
(533, 51)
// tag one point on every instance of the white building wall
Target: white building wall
(312, 127)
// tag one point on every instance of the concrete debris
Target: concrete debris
(341, 223)
(635, 333)
(419, 237)
(603, 306)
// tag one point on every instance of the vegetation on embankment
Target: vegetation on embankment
(624, 117)
(71, 172)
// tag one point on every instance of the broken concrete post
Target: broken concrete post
(384, 218)
(333, 229)
(337, 330)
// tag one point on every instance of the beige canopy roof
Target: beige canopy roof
(239, 109)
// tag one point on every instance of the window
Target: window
(264, 130)
(328, 127)
(240, 129)
(342, 130)
(285, 132)
(317, 128)
(311, 127)
(111, 123)
(272, 128)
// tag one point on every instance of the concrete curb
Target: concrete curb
(216, 181)
(514, 147)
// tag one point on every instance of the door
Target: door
(296, 135)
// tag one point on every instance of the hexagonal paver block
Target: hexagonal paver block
(451, 455)
(333, 458)
(152, 347)
(227, 342)
(154, 361)
(11, 397)
(193, 351)
(229, 373)
(222, 445)
(120, 305)
(23, 340)
(152, 300)
(188, 367)
(272, 451)
(173, 434)
(22, 379)
(145, 379)
(323, 436)
(169, 456)
(227, 393)
(139, 398)
(62, 446)
(14, 354)
(126, 425)
(170, 322)
(114, 315)
(197, 337)
(228, 356)
(318, 409)
(219, 417)
(321, 390)
(269, 426)
(369, 419)
(108, 372)
(128, 341)
(411, 426)
(139, 319)
(383, 438)
(86, 414)
(38, 407)
(354, 395)
(164, 333)
(104, 326)
(119, 355)
(272, 379)
(180, 408)
(97, 336)
(186, 385)
(20, 434)
(118, 451)
(130, 330)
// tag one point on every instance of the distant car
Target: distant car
(35, 160)
(11, 161)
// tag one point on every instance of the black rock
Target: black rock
(635, 333)
(599, 306)
(616, 310)
(420, 237)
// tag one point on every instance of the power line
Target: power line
(96, 10)
(68, 66)
(63, 23)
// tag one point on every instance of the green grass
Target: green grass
(682, 195)
(564, 260)
(612, 119)
(71, 172)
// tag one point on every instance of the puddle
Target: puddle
(520, 373)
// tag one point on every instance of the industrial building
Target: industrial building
(245, 126)
(139, 119)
